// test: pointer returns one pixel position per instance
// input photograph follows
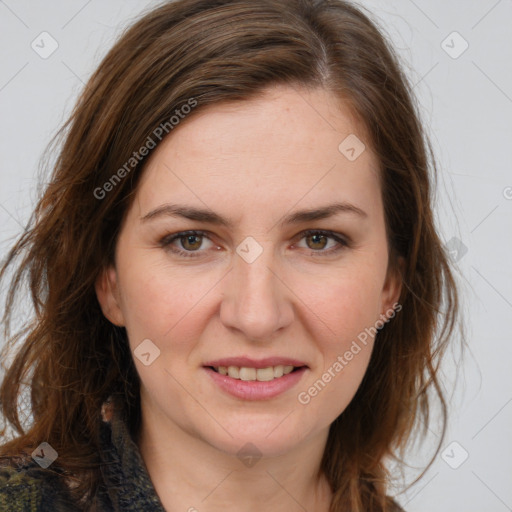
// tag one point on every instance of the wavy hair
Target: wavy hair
(71, 358)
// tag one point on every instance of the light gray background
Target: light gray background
(467, 105)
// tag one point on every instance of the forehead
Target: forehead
(287, 146)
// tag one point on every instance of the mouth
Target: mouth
(255, 380)
(249, 373)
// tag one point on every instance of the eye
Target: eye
(191, 242)
(318, 240)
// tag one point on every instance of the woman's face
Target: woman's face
(254, 291)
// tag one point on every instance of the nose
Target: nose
(256, 300)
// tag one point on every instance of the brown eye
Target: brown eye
(318, 241)
(191, 242)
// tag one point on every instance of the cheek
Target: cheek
(328, 392)
(158, 302)
(346, 304)
(349, 310)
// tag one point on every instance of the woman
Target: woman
(241, 295)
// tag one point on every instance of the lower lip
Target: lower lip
(255, 389)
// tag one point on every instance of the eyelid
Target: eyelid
(340, 237)
(342, 240)
(168, 239)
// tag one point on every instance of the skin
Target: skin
(253, 162)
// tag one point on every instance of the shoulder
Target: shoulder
(26, 487)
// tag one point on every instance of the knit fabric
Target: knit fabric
(128, 483)
(126, 486)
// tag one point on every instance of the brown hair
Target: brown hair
(211, 51)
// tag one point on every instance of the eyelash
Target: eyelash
(169, 239)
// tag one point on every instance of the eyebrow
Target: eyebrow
(210, 217)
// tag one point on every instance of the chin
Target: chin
(268, 438)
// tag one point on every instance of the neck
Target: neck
(192, 475)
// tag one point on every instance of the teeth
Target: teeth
(279, 371)
(247, 373)
(234, 372)
(260, 374)
(265, 374)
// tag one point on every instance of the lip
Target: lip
(254, 389)
(255, 363)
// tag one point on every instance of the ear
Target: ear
(392, 286)
(107, 292)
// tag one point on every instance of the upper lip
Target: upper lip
(255, 363)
